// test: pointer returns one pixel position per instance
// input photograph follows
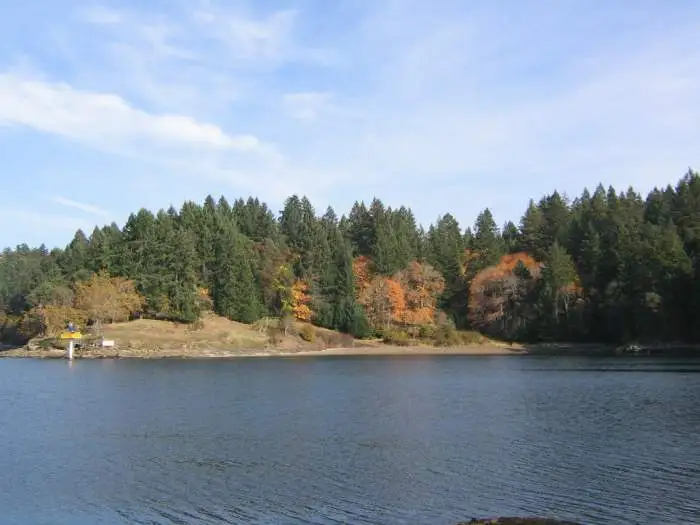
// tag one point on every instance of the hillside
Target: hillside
(608, 267)
(215, 336)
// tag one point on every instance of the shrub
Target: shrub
(308, 333)
(359, 326)
(274, 337)
(446, 335)
(336, 339)
(426, 331)
(472, 338)
(48, 343)
(395, 337)
(347, 341)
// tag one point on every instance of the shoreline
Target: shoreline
(483, 350)
(383, 350)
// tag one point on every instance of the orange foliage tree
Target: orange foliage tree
(384, 302)
(363, 272)
(422, 285)
(300, 301)
(496, 293)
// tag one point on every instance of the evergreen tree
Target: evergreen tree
(609, 266)
(234, 289)
(488, 242)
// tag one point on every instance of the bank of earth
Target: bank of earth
(216, 336)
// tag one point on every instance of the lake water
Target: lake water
(425, 440)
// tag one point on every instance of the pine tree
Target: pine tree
(488, 242)
(234, 289)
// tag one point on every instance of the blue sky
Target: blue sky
(444, 106)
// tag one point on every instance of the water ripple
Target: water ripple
(351, 441)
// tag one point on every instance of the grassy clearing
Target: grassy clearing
(211, 332)
(215, 335)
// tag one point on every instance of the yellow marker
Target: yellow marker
(71, 335)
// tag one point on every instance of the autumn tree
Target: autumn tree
(615, 266)
(497, 292)
(54, 318)
(362, 269)
(384, 302)
(107, 299)
(422, 285)
(300, 301)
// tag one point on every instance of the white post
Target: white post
(70, 349)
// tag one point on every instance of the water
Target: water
(431, 440)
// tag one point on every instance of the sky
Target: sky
(443, 106)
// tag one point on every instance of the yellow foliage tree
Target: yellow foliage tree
(56, 317)
(104, 298)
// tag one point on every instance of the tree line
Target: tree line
(603, 267)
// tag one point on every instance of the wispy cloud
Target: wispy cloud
(103, 118)
(87, 208)
(248, 38)
(451, 105)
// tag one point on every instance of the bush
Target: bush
(337, 339)
(472, 338)
(308, 333)
(446, 335)
(274, 337)
(395, 337)
(47, 344)
(426, 331)
(359, 327)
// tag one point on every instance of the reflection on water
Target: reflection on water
(350, 440)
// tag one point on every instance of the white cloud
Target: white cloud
(498, 119)
(397, 97)
(103, 118)
(88, 208)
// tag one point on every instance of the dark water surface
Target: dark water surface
(429, 440)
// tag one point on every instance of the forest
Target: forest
(604, 267)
